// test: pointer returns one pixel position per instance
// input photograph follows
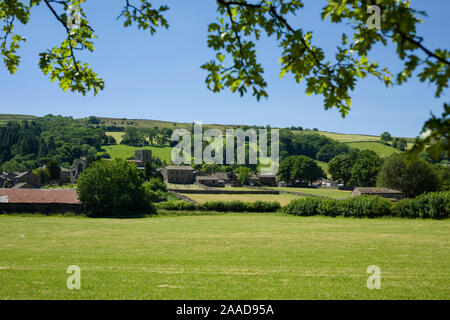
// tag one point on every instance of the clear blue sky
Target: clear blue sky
(160, 78)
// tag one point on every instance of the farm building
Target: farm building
(268, 180)
(390, 194)
(178, 174)
(21, 179)
(210, 181)
(39, 200)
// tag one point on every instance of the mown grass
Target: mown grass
(124, 151)
(324, 192)
(282, 199)
(234, 256)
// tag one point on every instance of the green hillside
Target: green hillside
(381, 149)
(124, 151)
(5, 118)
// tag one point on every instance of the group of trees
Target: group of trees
(313, 145)
(413, 177)
(140, 137)
(398, 143)
(356, 168)
(28, 145)
(299, 168)
(31, 144)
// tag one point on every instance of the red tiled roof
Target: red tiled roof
(68, 196)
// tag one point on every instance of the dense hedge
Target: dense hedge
(222, 206)
(432, 205)
(435, 205)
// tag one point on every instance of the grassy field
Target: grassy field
(145, 123)
(124, 151)
(117, 135)
(232, 256)
(324, 192)
(5, 118)
(283, 199)
(381, 149)
(324, 166)
(342, 137)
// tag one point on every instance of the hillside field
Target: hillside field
(124, 151)
(381, 149)
(231, 256)
(5, 118)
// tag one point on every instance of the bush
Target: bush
(362, 206)
(365, 206)
(155, 185)
(435, 205)
(108, 188)
(177, 205)
(404, 209)
(303, 207)
(328, 207)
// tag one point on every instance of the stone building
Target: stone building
(141, 157)
(178, 174)
(25, 179)
(77, 169)
(390, 194)
(269, 180)
(210, 181)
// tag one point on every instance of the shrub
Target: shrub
(328, 207)
(177, 205)
(155, 185)
(362, 206)
(262, 206)
(435, 205)
(365, 206)
(222, 206)
(404, 209)
(303, 207)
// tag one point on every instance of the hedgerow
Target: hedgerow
(434, 205)
(222, 206)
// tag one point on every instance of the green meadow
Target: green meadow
(324, 192)
(125, 151)
(379, 148)
(232, 256)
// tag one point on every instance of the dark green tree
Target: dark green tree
(413, 178)
(365, 169)
(148, 170)
(54, 170)
(341, 166)
(109, 188)
(385, 137)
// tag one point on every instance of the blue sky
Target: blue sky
(160, 78)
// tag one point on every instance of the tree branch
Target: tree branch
(69, 36)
